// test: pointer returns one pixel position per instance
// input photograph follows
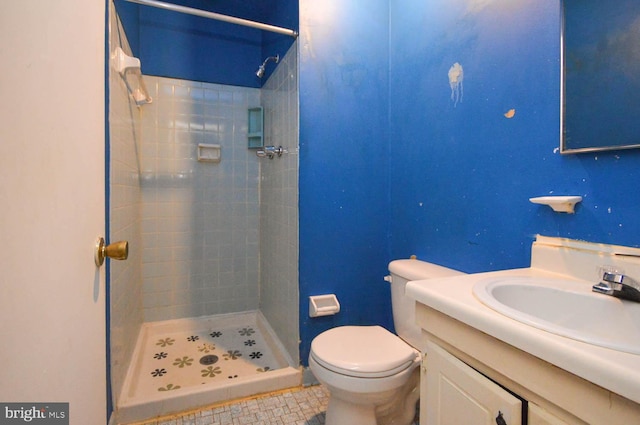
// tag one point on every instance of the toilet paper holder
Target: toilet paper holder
(323, 305)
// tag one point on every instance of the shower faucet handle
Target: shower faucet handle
(270, 152)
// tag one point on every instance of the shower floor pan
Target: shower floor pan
(184, 364)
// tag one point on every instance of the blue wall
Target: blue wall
(177, 45)
(459, 174)
(344, 195)
(463, 173)
(391, 166)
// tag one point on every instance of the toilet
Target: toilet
(372, 374)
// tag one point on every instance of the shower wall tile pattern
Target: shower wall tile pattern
(125, 223)
(200, 220)
(279, 204)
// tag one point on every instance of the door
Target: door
(52, 205)
(457, 394)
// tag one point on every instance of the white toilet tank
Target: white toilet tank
(404, 310)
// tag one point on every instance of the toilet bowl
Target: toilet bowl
(367, 370)
(372, 374)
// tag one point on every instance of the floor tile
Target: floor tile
(301, 406)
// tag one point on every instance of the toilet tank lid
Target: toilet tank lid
(412, 269)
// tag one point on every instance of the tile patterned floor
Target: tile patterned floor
(302, 406)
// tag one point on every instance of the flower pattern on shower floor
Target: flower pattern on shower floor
(180, 360)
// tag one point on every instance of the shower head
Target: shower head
(261, 68)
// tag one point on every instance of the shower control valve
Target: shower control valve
(270, 152)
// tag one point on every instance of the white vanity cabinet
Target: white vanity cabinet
(564, 351)
(469, 376)
(538, 416)
(454, 393)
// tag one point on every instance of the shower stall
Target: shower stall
(206, 307)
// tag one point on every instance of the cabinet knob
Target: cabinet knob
(500, 420)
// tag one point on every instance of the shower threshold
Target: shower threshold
(185, 364)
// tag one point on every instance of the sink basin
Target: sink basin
(567, 308)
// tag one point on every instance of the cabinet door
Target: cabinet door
(457, 394)
(539, 416)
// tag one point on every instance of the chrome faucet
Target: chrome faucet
(270, 152)
(618, 285)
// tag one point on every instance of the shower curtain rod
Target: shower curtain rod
(216, 16)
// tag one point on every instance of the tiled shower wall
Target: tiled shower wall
(124, 216)
(193, 227)
(200, 220)
(279, 205)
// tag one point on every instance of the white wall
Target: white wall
(52, 116)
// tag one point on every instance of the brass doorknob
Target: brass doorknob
(117, 251)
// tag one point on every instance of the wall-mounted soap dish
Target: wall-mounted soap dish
(209, 153)
(565, 204)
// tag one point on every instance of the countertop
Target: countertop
(613, 370)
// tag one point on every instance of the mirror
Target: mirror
(601, 75)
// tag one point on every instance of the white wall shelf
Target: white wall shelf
(565, 204)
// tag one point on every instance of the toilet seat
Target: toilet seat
(362, 351)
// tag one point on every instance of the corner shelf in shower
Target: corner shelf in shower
(255, 136)
(129, 69)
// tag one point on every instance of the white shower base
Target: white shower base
(184, 364)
